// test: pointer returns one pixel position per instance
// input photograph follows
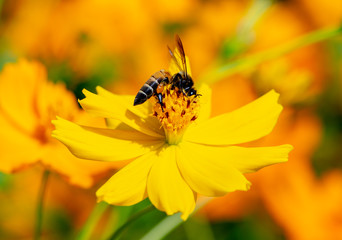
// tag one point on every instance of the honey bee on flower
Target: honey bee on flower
(181, 80)
(177, 150)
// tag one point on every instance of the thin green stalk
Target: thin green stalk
(254, 13)
(1, 5)
(169, 224)
(118, 216)
(92, 221)
(199, 226)
(40, 203)
(238, 43)
(118, 232)
(244, 63)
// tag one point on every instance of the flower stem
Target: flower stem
(118, 216)
(92, 220)
(40, 202)
(170, 223)
(217, 73)
(134, 217)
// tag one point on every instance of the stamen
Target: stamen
(178, 112)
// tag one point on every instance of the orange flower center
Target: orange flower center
(177, 113)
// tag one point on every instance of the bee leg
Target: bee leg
(176, 81)
(183, 89)
(160, 100)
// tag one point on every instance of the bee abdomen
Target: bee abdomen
(147, 90)
(140, 98)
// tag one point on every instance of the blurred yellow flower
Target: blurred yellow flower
(319, 201)
(28, 103)
(77, 33)
(178, 153)
(295, 76)
(293, 85)
(322, 13)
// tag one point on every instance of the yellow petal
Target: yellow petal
(117, 124)
(166, 187)
(19, 84)
(248, 160)
(205, 101)
(54, 99)
(108, 105)
(245, 124)
(244, 159)
(103, 144)
(141, 110)
(144, 111)
(209, 175)
(17, 149)
(77, 171)
(128, 186)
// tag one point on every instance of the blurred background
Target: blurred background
(119, 44)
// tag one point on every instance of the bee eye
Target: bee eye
(192, 92)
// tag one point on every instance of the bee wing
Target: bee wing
(179, 61)
(175, 65)
(181, 52)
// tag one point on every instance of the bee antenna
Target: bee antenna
(170, 51)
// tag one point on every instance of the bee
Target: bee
(153, 86)
(181, 81)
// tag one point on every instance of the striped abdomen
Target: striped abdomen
(149, 87)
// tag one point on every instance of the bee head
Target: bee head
(187, 82)
(192, 92)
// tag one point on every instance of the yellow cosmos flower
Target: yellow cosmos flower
(178, 152)
(28, 103)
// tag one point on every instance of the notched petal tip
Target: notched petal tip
(55, 121)
(99, 198)
(287, 149)
(185, 216)
(100, 195)
(99, 89)
(289, 146)
(85, 91)
(272, 91)
(54, 134)
(248, 185)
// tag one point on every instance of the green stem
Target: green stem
(169, 223)
(217, 73)
(118, 232)
(92, 220)
(39, 212)
(118, 216)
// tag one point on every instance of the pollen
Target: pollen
(177, 113)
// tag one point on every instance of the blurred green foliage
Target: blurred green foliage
(328, 155)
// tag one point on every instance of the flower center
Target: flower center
(177, 113)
